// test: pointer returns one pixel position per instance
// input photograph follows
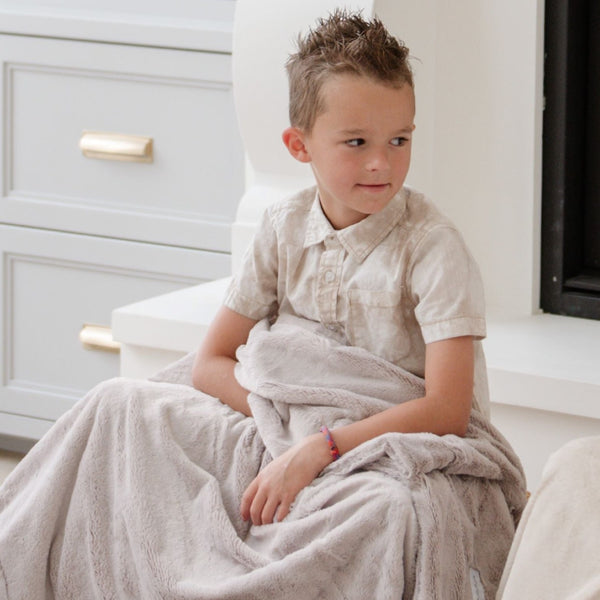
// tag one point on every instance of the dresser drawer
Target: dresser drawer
(54, 90)
(54, 283)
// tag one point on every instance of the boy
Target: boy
(372, 262)
(135, 492)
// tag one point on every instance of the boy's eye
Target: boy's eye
(355, 142)
(399, 141)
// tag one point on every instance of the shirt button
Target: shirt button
(329, 276)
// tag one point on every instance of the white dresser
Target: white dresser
(146, 210)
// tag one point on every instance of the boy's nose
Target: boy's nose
(377, 161)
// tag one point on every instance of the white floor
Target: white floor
(8, 461)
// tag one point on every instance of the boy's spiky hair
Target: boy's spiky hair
(343, 43)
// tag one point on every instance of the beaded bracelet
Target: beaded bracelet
(333, 449)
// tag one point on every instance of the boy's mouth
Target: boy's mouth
(374, 187)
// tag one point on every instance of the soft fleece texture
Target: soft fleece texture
(556, 549)
(135, 492)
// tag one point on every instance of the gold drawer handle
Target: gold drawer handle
(116, 146)
(98, 337)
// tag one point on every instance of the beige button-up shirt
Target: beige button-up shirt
(392, 283)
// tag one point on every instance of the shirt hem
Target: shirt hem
(244, 306)
(456, 327)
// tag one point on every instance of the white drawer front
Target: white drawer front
(54, 90)
(56, 282)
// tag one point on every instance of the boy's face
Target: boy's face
(359, 147)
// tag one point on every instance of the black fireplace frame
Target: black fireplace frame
(570, 269)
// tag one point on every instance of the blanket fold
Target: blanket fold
(135, 492)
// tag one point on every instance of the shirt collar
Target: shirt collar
(359, 239)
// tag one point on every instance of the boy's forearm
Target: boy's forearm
(415, 416)
(214, 376)
(213, 370)
(445, 407)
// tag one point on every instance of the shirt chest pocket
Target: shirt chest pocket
(376, 323)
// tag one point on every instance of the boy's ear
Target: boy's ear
(293, 138)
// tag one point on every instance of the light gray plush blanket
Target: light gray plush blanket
(135, 492)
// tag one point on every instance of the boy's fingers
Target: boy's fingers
(268, 511)
(283, 510)
(247, 499)
(257, 506)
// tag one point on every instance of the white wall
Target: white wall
(478, 140)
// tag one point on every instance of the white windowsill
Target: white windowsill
(175, 322)
(546, 362)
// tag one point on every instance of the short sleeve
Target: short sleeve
(446, 287)
(253, 289)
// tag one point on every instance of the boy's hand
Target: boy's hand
(273, 490)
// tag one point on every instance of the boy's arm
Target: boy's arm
(215, 360)
(445, 408)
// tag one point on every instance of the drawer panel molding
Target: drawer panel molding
(195, 177)
(53, 283)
